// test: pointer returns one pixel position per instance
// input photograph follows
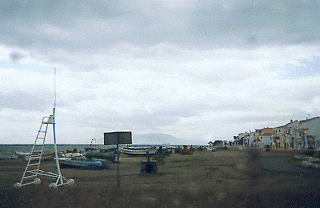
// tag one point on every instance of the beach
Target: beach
(224, 178)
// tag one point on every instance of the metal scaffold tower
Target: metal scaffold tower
(32, 171)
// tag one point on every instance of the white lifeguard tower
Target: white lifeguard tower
(32, 171)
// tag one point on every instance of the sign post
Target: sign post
(118, 162)
(112, 138)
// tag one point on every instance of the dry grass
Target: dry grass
(226, 178)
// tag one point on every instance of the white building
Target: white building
(294, 135)
(303, 134)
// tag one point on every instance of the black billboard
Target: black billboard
(111, 138)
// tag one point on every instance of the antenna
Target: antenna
(54, 88)
(54, 95)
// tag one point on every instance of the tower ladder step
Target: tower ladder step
(31, 172)
(34, 164)
(34, 158)
(29, 176)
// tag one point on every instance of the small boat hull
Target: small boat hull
(83, 164)
(101, 155)
(22, 154)
(311, 163)
(7, 156)
(44, 157)
(137, 152)
(71, 155)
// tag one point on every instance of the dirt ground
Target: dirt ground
(225, 178)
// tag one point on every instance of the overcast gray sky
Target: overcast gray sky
(199, 70)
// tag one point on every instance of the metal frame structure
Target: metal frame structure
(32, 170)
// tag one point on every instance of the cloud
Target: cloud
(192, 69)
(98, 26)
(23, 101)
(255, 22)
(16, 56)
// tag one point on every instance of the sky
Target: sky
(198, 70)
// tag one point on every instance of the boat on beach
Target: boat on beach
(102, 155)
(45, 156)
(311, 162)
(83, 163)
(22, 154)
(7, 156)
(48, 156)
(72, 155)
(139, 150)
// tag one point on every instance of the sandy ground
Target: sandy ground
(225, 178)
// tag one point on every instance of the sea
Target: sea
(11, 148)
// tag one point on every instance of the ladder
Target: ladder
(32, 170)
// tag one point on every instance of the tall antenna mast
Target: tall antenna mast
(54, 88)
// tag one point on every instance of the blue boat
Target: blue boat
(83, 164)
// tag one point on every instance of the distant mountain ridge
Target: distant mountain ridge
(158, 138)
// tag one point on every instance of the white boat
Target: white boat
(48, 156)
(311, 163)
(303, 157)
(71, 155)
(139, 150)
(306, 163)
(22, 154)
(44, 157)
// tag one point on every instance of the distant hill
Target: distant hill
(158, 139)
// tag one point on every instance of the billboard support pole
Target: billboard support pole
(112, 138)
(118, 162)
